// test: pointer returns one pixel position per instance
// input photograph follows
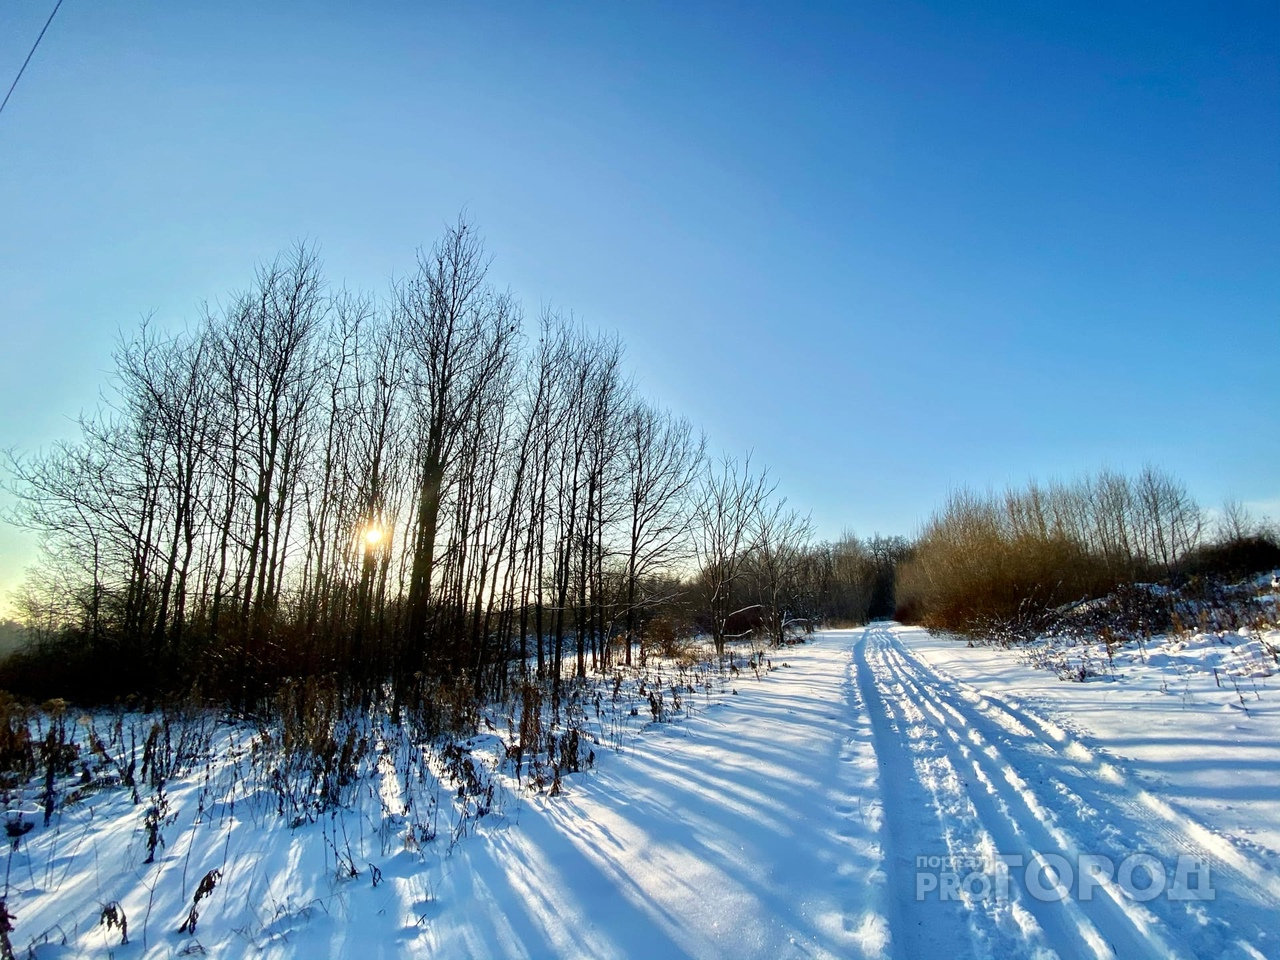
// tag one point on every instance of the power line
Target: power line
(29, 56)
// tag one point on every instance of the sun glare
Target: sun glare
(372, 536)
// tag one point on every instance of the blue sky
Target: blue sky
(894, 248)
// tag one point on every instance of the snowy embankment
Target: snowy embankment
(851, 802)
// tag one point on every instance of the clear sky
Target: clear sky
(893, 247)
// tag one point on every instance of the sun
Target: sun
(372, 536)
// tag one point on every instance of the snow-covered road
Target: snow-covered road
(860, 802)
(749, 831)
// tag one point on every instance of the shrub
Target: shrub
(1000, 564)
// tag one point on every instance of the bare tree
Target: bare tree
(728, 507)
(1168, 519)
(663, 462)
(1235, 523)
(779, 542)
(458, 333)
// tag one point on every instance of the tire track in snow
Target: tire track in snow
(1037, 790)
(913, 825)
(1021, 825)
(1252, 880)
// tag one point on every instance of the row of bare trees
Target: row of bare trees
(407, 489)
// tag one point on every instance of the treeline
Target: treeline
(396, 492)
(985, 561)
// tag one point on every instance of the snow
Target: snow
(787, 815)
(1195, 718)
(1151, 760)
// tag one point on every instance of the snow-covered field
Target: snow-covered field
(880, 792)
(1157, 778)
